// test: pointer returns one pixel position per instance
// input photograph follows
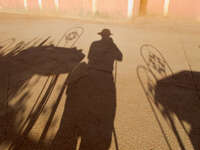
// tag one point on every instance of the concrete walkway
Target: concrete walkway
(38, 82)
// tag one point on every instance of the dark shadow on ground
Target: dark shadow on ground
(18, 66)
(89, 112)
(178, 95)
(91, 94)
(91, 100)
(174, 94)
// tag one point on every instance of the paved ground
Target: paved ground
(33, 81)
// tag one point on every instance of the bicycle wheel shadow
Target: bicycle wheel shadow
(19, 62)
(175, 95)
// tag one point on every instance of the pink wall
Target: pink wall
(136, 8)
(75, 6)
(113, 7)
(33, 5)
(155, 7)
(19, 4)
(180, 8)
(186, 8)
(48, 4)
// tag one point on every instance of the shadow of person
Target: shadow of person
(91, 100)
(178, 95)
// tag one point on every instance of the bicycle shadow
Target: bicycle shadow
(19, 62)
(175, 95)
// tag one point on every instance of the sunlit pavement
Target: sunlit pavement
(138, 125)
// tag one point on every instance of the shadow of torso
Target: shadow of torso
(89, 112)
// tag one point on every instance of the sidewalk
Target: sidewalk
(138, 124)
